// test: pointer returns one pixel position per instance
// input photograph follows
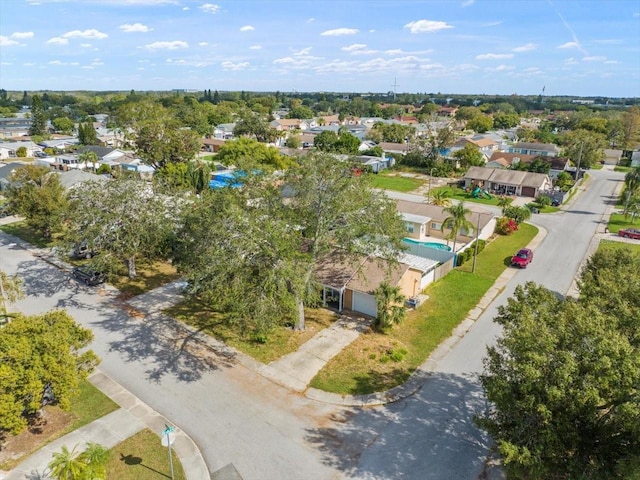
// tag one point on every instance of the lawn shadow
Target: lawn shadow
(171, 347)
(433, 434)
(131, 461)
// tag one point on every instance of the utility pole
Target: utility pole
(395, 85)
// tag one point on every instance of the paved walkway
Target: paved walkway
(132, 416)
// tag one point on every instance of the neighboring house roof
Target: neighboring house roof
(103, 153)
(545, 147)
(613, 153)
(394, 147)
(556, 163)
(7, 170)
(438, 214)
(507, 177)
(71, 178)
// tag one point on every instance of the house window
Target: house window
(409, 227)
(436, 226)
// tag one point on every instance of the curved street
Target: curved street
(237, 416)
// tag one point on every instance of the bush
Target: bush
(21, 152)
(518, 214)
(506, 226)
(543, 200)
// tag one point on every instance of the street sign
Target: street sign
(168, 439)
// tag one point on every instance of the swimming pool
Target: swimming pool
(439, 246)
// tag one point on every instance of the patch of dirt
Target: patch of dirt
(46, 427)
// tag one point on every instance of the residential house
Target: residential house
(59, 143)
(447, 111)
(224, 131)
(5, 173)
(485, 145)
(107, 155)
(507, 182)
(212, 144)
(72, 178)
(14, 127)
(424, 223)
(9, 150)
(348, 283)
(390, 147)
(288, 124)
(543, 149)
(507, 160)
(612, 156)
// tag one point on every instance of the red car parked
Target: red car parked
(629, 233)
(523, 258)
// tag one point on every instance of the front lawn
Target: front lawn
(279, 342)
(90, 405)
(376, 362)
(142, 457)
(395, 182)
(26, 233)
(458, 193)
(613, 245)
(150, 275)
(617, 221)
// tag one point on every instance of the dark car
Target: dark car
(89, 276)
(523, 258)
(629, 233)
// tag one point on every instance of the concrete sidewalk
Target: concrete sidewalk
(132, 416)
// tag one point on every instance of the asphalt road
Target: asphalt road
(236, 416)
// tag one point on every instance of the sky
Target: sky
(524, 47)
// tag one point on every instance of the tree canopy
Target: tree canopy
(37, 352)
(563, 380)
(251, 253)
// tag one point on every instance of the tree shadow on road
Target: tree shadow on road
(169, 347)
(429, 435)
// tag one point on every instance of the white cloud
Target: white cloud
(175, 45)
(185, 9)
(55, 62)
(203, 44)
(135, 27)
(284, 61)
(22, 35)
(255, 47)
(424, 26)
(525, 48)
(570, 45)
(594, 58)
(503, 68)
(337, 32)
(92, 33)
(85, 45)
(570, 61)
(210, 8)
(57, 41)
(399, 51)
(611, 62)
(494, 56)
(355, 46)
(311, 20)
(6, 41)
(492, 24)
(247, 28)
(234, 66)
(468, 3)
(302, 53)
(29, 64)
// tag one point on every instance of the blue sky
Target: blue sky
(585, 48)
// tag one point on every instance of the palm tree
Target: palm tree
(95, 457)
(10, 290)
(457, 221)
(632, 184)
(440, 197)
(390, 302)
(87, 157)
(504, 202)
(67, 465)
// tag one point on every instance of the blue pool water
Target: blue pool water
(439, 246)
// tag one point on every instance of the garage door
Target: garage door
(364, 303)
(528, 192)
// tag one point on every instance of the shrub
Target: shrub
(543, 200)
(21, 152)
(518, 214)
(506, 226)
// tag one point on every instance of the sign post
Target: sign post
(168, 438)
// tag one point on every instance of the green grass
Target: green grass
(142, 457)
(617, 222)
(88, 406)
(460, 194)
(619, 168)
(281, 341)
(613, 245)
(150, 275)
(358, 369)
(26, 233)
(395, 182)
